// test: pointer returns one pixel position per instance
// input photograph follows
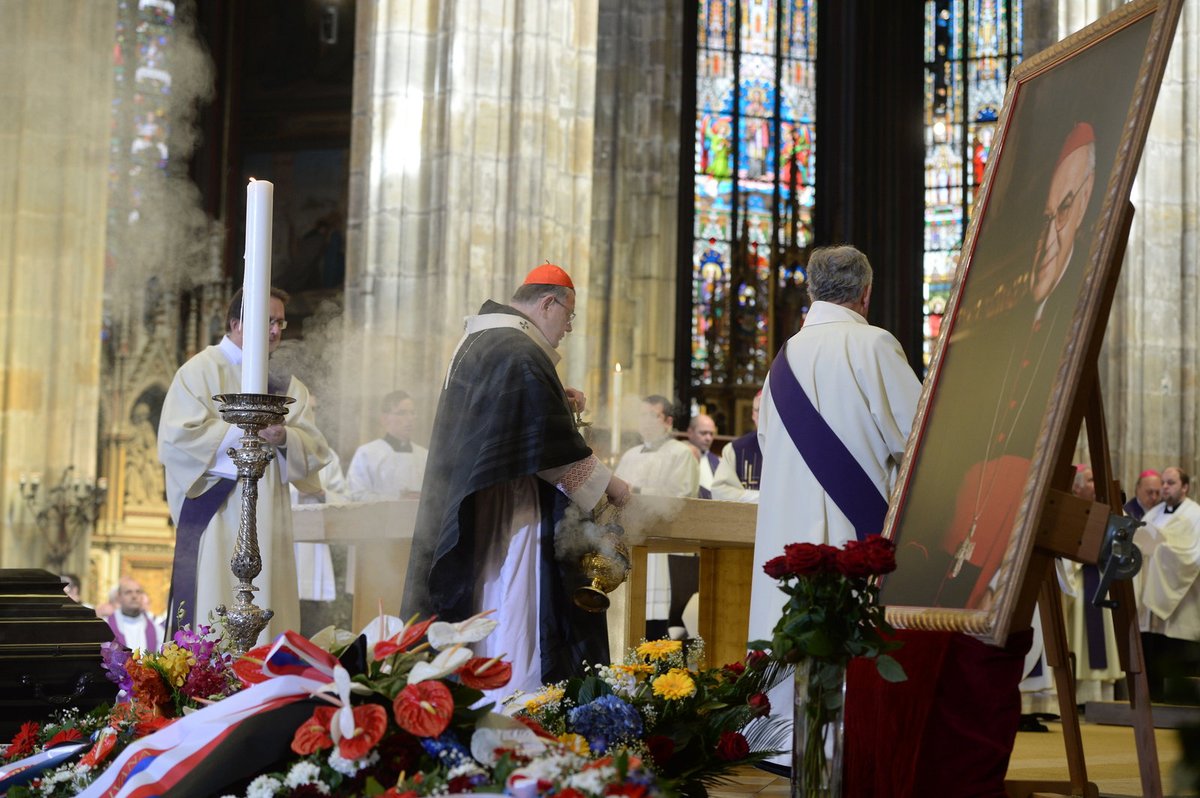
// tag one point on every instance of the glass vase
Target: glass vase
(818, 727)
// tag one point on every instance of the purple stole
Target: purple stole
(151, 634)
(194, 517)
(839, 474)
(713, 462)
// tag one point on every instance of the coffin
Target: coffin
(49, 650)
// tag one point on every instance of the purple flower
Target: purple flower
(114, 657)
(197, 642)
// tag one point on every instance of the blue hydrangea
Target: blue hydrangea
(446, 749)
(605, 721)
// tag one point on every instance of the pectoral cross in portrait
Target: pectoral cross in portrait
(964, 552)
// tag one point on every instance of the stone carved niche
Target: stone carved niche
(144, 347)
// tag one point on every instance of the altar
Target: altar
(720, 533)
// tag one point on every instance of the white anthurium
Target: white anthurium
(381, 628)
(342, 725)
(333, 639)
(495, 731)
(444, 664)
(472, 630)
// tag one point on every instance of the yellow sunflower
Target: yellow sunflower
(659, 649)
(675, 685)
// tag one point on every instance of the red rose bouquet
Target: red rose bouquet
(832, 614)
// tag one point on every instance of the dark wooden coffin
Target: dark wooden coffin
(49, 650)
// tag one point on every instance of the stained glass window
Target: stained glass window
(971, 47)
(754, 181)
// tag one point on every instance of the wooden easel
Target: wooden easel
(1074, 528)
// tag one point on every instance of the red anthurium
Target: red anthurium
(313, 734)
(64, 736)
(413, 634)
(101, 750)
(370, 722)
(423, 709)
(484, 673)
(249, 666)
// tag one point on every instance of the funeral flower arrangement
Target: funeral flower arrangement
(832, 614)
(691, 725)
(193, 669)
(397, 711)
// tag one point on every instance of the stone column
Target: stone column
(1149, 363)
(471, 162)
(56, 58)
(635, 208)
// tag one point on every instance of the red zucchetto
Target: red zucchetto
(549, 274)
(1080, 135)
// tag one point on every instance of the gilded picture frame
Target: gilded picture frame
(1010, 356)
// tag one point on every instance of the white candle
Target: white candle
(614, 444)
(256, 290)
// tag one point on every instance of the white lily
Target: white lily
(444, 664)
(472, 630)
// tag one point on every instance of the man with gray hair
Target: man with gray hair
(836, 411)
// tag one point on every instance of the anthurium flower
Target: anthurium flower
(381, 628)
(370, 722)
(424, 709)
(485, 673)
(313, 734)
(495, 734)
(402, 641)
(444, 664)
(472, 630)
(105, 742)
(248, 667)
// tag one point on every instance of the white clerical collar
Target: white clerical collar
(822, 312)
(492, 321)
(231, 351)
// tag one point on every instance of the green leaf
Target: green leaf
(890, 669)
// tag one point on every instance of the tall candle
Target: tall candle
(614, 443)
(256, 290)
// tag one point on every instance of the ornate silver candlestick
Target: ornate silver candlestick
(250, 412)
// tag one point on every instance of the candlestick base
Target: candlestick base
(251, 412)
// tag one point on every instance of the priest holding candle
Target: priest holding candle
(193, 441)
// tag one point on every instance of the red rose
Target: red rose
(732, 746)
(423, 709)
(777, 567)
(760, 704)
(25, 741)
(757, 659)
(875, 555)
(734, 669)
(881, 553)
(569, 792)
(485, 673)
(661, 748)
(806, 559)
(370, 722)
(313, 735)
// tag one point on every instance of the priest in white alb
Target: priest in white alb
(850, 380)
(202, 491)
